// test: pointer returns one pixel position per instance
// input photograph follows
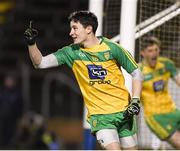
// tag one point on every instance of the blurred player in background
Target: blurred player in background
(96, 63)
(161, 114)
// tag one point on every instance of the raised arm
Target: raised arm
(35, 54)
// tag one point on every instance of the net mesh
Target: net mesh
(168, 32)
(111, 21)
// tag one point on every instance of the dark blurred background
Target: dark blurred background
(49, 99)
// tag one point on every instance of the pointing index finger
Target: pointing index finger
(30, 24)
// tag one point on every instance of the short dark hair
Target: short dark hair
(86, 18)
(148, 41)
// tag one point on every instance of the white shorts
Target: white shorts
(108, 136)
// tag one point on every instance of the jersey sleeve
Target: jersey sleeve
(64, 56)
(124, 58)
(60, 55)
(169, 64)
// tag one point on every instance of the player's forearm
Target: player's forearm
(136, 88)
(137, 82)
(177, 79)
(35, 55)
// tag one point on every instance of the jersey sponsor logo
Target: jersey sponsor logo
(107, 55)
(148, 76)
(159, 85)
(81, 54)
(151, 75)
(99, 82)
(97, 73)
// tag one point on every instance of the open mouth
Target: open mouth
(154, 59)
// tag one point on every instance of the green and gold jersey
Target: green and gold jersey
(98, 74)
(155, 96)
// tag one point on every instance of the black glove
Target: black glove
(133, 108)
(30, 35)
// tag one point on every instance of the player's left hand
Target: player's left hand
(133, 108)
(30, 35)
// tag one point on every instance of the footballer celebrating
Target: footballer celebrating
(161, 114)
(96, 63)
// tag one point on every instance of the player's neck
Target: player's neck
(91, 42)
(151, 65)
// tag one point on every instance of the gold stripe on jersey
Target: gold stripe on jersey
(128, 55)
(97, 48)
(157, 127)
(105, 96)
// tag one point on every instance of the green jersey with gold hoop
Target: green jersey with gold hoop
(98, 74)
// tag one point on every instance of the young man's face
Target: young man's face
(150, 54)
(78, 33)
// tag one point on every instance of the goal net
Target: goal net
(160, 18)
